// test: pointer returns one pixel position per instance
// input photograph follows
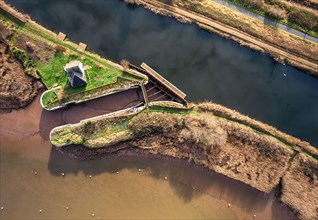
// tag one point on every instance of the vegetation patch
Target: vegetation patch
(295, 16)
(49, 98)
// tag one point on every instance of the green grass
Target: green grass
(49, 98)
(104, 75)
(167, 109)
(53, 72)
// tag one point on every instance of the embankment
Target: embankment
(246, 31)
(228, 143)
(43, 55)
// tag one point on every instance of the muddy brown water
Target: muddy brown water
(124, 186)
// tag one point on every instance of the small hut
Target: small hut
(76, 73)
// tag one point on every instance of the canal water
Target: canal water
(203, 65)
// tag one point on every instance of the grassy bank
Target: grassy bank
(207, 134)
(243, 29)
(295, 16)
(44, 56)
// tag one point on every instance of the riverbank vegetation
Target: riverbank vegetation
(16, 88)
(297, 16)
(206, 134)
(44, 56)
(243, 29)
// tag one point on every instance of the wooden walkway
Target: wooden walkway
(162, 80)
(158, 88)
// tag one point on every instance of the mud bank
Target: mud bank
(242, 29)
(17, 89)
(227, 146)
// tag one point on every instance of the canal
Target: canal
(203, 65)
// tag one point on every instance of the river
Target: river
(205, 66)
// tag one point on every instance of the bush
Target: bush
(304, 19)
(58, 48)
(22, 57)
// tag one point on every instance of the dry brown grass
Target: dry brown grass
(300, 187)
(300, 17)
(16, 88)
(232, 115)
(228, 148)
(307, 3)
(37, 50)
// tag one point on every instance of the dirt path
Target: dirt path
(206, 22)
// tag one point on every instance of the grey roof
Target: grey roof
(76, 74)
(76, 78)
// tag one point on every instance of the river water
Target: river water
(204, 65)
(126, 186)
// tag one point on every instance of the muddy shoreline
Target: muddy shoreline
(222, 145)
(284, 191)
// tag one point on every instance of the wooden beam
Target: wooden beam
(165, 82)
(144, 92)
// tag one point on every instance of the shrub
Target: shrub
(304, 19)
(89, 129)
(58, 48)
(22, 57)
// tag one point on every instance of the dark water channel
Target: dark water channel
(203, 65)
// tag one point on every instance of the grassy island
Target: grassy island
(209, 135)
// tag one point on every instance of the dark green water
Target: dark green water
(203, 65)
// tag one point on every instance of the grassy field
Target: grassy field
(43, 55)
